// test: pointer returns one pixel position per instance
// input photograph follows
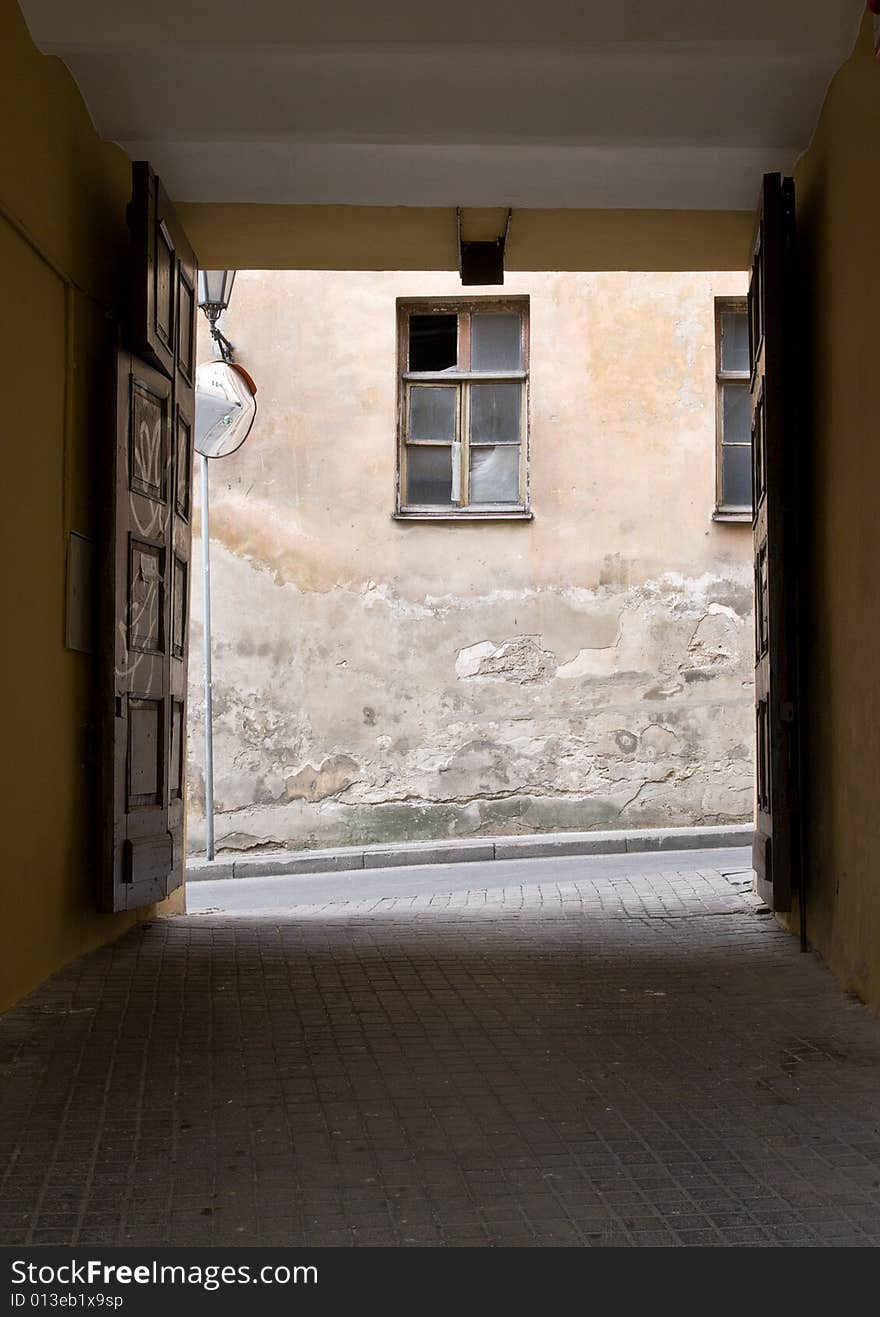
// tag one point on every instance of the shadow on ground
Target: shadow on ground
(503, 1072)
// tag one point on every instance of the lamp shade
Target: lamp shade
(215, 287)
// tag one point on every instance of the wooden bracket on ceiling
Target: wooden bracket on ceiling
(482, 262)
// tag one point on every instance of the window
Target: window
(463, 408)
(733, 411)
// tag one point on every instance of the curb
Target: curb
(476, 849)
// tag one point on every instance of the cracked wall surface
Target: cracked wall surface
(377, 680)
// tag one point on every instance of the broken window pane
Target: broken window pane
(736, 477)
(737, 427)
(495, 474)
(433, 342)
(734, 341)
(429, 476)
(495, 413)
(432, 413)
(496, 342)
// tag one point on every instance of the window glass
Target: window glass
(494, 475)
(737, 415)
(496, 342)
(735, 341)
(429, 476)
(432, 413)
(495, 413)
(736, 476)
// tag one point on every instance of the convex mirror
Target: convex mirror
(226, 405)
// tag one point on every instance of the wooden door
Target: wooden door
(146, 568)
(772, 329)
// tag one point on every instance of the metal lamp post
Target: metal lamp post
(225, 411)
(206, 642)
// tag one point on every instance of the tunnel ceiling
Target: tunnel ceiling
(563, 103)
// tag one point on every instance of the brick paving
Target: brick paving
(614, 1059)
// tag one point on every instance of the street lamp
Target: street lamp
(225, 409)
(215, 292)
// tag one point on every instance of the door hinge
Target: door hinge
(786, 711)
(119, 709)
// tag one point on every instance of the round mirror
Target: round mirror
(225, 408)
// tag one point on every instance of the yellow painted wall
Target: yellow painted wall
(838, 182)
(257, 237)
(62, 230)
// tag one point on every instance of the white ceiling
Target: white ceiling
(469, 102)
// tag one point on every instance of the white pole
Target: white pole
(206, 631)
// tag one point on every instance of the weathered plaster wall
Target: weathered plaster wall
(62, 228)
(838, 184)
(376, 680)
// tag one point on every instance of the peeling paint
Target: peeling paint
(467, 663)
(333, 777)
(521, 658)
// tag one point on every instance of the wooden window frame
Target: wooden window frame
(723, 378)
(461, 378)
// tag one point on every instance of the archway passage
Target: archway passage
(125, 1106)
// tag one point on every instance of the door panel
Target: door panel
(146, 563)
(162, 278)
(138, 848)
(772, 328)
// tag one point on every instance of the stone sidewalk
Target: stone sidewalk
(464, 850)
(629, 1059)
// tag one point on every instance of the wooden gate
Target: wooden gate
(146, 563)
(772, 331)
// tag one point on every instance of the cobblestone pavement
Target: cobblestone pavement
(629, 1058)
